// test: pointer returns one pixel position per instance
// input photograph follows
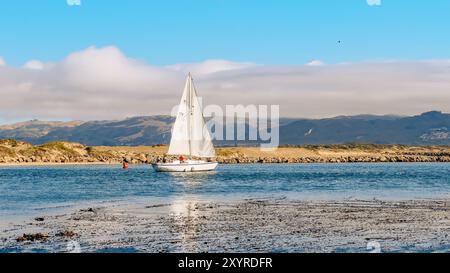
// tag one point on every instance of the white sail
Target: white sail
(190, 136)
(179, 143)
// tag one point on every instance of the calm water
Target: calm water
(32, 190)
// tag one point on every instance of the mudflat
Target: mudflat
(247, 225)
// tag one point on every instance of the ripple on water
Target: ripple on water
(34, 190)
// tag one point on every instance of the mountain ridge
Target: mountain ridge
(429, 128)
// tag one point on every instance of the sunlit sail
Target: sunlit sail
(190, 136)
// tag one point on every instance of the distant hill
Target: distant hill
(34, 129)
(130, 131)
(431, 128)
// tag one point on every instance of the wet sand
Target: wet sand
(259, 225)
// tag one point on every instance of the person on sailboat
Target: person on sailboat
(181, 158)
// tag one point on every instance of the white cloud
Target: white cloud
(103, 83)
(374, 2)
(34, 64)
(209, 67)
(2, 62)
(315, 63)
(73, 2)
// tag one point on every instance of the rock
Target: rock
(32, 237)
(66, 233)
(383, 159)
(39, 219)
(142, 157)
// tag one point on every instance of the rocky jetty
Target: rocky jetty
(339, 159)
(17, 152)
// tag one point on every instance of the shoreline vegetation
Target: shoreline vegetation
(14, 152)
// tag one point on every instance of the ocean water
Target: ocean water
(30, 191)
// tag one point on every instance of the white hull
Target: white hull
(188, 166)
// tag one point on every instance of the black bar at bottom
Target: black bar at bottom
(221, 262)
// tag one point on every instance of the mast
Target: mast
(188, 133)
(189, 119)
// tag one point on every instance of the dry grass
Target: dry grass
(299, 151)
(5, 151)
(135, 149)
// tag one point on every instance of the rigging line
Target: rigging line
(189, 107)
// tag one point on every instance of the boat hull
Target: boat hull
(191, 166)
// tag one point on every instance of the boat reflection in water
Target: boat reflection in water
(186, 210)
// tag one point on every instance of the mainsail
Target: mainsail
(190, 135)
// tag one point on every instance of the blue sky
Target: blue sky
(264, 31)
(111, 59)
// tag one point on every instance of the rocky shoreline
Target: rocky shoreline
(16, 152)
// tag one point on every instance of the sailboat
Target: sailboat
(190, 136)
